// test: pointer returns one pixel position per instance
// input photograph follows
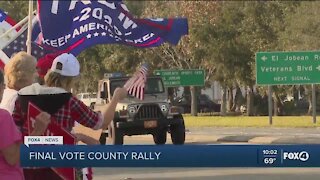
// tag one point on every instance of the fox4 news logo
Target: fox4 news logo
(301, 156)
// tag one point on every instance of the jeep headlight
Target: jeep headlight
(132, 110)
(164, 108)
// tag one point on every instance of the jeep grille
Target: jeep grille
(149, 112)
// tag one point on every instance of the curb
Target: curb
(263, 140)
(255, 139)
(235, 138)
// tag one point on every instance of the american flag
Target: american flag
(19, 44)
(135, 85)
(6, 22)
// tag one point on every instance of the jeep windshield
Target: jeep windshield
(153, 86)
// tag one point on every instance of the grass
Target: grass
(245, 121)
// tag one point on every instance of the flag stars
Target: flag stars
(96, 34)
(103, 34)
(89, 36)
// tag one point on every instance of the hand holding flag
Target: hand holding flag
(135, 85)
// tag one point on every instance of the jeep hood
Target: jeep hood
(147, 99)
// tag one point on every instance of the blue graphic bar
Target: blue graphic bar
(171, 156)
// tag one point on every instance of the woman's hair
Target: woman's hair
(54, 79)
(19, 71)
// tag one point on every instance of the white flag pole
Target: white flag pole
(29, 27)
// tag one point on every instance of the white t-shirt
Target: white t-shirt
(8, 99)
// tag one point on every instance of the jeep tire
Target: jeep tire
(115, 134)
(160, 136)
(177, 131)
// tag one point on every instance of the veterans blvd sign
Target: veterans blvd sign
(274, 68)
(190, 77)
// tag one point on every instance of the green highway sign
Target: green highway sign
(277, 68)
(185, 77)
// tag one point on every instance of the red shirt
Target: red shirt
(73, 110)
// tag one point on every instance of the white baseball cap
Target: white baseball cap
(66, 64)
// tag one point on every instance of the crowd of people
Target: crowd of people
(47, 84)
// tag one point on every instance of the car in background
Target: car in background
(205, 104)
(89, 99)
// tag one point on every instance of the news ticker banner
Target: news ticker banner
(170, 156)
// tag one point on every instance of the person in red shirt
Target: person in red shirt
(56, 99)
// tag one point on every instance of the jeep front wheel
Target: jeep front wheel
(160, 136)
(177, 131)
(115, 134)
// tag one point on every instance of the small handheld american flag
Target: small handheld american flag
(135, 85)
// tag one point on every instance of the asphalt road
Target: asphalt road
(205, 136)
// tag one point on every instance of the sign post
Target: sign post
(270, 104)
(286, 68)
(184, 77)
(314, 104)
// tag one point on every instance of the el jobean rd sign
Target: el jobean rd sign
(276, 68)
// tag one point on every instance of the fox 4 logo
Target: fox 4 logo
(301, 156)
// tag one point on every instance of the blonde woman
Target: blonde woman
(19, 72)
(56, 99)
(11, 139)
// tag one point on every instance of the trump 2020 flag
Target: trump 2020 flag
(6, 22)
(135, 85)
(77, 25)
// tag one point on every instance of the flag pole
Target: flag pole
(28, 43)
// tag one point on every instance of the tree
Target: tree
(187, 54)
(262, 25)
(301, 33)
(15, 9)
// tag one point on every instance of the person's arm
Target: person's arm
(86, 139)
(94, 120)
(11, 152)
(109, 109)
